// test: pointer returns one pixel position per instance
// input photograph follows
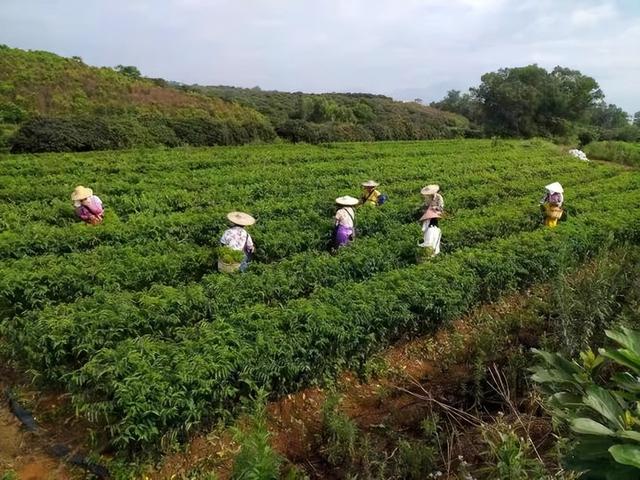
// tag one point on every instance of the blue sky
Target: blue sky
(402, 48)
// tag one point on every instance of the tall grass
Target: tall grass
(619, 152)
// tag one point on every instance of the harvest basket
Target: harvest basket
(553, 211)
(424, 253)
(225, 267)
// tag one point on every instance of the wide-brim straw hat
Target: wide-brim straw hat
(80, 193)
(429, 214)
(554, 187)
(370, 183)
(430, 189)
(347, 201)
(240, 218)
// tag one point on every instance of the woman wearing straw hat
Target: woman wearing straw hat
(551, 204)
(434, 202)
(344, 231)
(87, 205)
(435, 208)
(371, 196)
(237, 238)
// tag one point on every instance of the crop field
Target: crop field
(132, 319)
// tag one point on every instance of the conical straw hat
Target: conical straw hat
(80, 193)
(347, 201)
(430, 189)
(370, 183)
(240, 218)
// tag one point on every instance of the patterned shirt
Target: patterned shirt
(237, 238)
(90, 209)
(345, 216)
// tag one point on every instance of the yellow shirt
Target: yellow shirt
(370, 198)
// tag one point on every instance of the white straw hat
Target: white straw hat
(80, 193)
(554, 187)
(347, 201)
(430, 189)
(240, 218)
(370, 183)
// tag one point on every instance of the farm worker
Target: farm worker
(371, 196)
(87, 205)
(238, 238)
(552, 204)
(434, 202)
(435, 209)
(344, 231)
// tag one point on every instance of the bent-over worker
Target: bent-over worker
(88, 207)
(434, 202)
(370, 195)
(552, 204)
(237, 238)
(435, 208)
(344, 229)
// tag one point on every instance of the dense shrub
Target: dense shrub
(77, 134)
(620, 152)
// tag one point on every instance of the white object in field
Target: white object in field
(554, 187)
(579, 154)
(432, 236)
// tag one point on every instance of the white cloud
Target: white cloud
(590, 16)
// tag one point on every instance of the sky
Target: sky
(404, 48)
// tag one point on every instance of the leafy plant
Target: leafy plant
(229, 255)
(508, 455)
(339, 433)
(598, 400)
(256, 460)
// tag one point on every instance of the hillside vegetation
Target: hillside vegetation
(52, 103)
(62, 104)
(343, 116)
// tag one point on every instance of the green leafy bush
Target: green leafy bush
(597, 400)
(620, 152)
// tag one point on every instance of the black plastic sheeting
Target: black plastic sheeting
(58, 450)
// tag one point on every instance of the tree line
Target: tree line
(531, 101)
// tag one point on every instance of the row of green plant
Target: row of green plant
(146, 388)
(248, 171)
(32, 281)
(61, 337)
(196, 222)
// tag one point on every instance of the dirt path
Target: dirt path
(21, 452)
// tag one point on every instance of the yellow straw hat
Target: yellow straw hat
(80, 193)
(240, 218)
(430, 189)
(347, 201)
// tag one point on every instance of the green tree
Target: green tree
(462, 104)
(608, 116)
(129, 71)
(529, 101)
(636, 119)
